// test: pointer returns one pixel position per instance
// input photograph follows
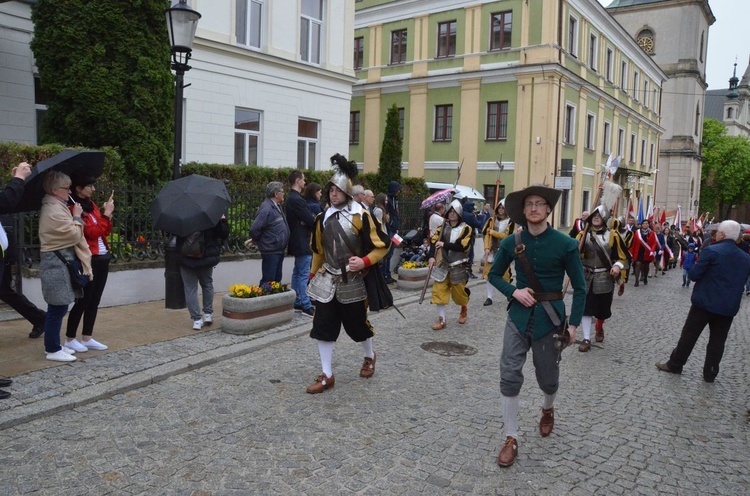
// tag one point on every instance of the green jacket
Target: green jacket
(551, 255)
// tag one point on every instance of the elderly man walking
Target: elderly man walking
(720, 275)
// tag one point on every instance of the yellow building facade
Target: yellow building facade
(549, 88)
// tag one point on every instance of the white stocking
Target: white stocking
(510, 415)
(549, 400)
(441, 310)
(586, 325)
(490, 290)
(325, 348)
(367, 347)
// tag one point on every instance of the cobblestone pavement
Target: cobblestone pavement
(232, 417)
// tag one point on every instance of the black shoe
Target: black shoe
(665, 368)
(488, 302)
(5, 382)
(473, 276)
(4, 394)
(708, 379)
(390, 280)
(308, 311)
(36, 332)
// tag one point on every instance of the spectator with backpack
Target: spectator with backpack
(198, 255)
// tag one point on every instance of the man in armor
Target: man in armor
(449, 255)
(496, 229)
(604, 256)
(346, 242)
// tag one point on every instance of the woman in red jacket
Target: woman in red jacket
(643, 250)
(97, 226)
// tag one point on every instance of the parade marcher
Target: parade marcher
(605, 260)
(665, 254)
(720, 275)
(579, 224)
(687, 262)
(543, 256)
(474, 220)
(674, 246)
(493, 235)
(346, 241)
(449, 256)
(643, 250)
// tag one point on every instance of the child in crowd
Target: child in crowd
(687, 261)
(421, 252)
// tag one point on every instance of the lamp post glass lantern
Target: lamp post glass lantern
(182, 22)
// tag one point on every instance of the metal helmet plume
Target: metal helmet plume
(346, 171)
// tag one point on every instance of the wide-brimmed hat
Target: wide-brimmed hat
(514, 201)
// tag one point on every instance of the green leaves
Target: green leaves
(725, 174)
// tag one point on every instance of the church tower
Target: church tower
(736, 116)
(675, 34)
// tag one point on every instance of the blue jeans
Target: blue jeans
(300, 277)
(271, 267)
(747, 285)
(52, 326)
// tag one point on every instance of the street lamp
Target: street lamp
(182, 22)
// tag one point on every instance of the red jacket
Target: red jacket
(649, 244)
(95, 226)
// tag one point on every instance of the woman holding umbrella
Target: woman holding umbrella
(60, 230)
(97, 227)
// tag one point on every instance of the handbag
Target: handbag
(78, 279)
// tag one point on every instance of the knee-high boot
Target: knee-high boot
(637, 273)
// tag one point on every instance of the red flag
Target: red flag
(663, 218)
(631, 210)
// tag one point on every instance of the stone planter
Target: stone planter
(411, 278)
(251, 315)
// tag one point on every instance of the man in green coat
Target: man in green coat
(532, 314)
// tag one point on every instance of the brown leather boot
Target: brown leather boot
(368, 367)
(464, 316)
(599, 330)
(547, 422)
(585, 345)
(440, 324)
(508, 454)
(322, 382)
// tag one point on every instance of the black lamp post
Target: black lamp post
(182, 22)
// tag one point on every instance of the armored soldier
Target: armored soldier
(604, 256)
(346, 242)
(449, 257)
(496, 229)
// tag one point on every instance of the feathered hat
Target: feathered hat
(346, 171)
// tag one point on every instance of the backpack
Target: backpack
(194, 245)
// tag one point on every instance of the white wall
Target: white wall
(17, 111)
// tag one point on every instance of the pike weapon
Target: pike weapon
(498, 182)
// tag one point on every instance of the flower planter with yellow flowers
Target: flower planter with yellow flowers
(411, 276)
(247, 310)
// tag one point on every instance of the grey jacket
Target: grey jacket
(270, 230)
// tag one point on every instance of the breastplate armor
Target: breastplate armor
(336, 250)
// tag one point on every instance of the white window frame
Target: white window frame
(594, 51)
(307, 141)
(252, 22)
(569, 135)
(607, 137)
(636, 82)
(633, 146)
(621, 142)
(247, 134)
(590, 142)
(573, 44)
(308, 56)
(624, 76)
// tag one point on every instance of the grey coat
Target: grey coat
(56, 286)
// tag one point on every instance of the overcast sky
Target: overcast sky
(728, 41)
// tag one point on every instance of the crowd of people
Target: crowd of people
(342, 251)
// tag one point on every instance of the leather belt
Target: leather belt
(600, 269)
(548, 296)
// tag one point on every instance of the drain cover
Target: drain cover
(449, 348)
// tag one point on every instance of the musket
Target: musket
(498, 182)
(438, 252)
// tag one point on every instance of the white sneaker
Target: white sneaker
(93, 344)
(197, 325)
(76, 345)
(69, 351)
(61, 356)
(208, 318)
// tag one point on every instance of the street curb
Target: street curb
(104, 390)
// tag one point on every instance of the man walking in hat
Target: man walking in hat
(604, 257)
(346, 241)
(536, 315)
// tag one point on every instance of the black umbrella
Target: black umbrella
(189, 204)
(88, 163)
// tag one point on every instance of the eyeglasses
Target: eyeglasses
(534, 204)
